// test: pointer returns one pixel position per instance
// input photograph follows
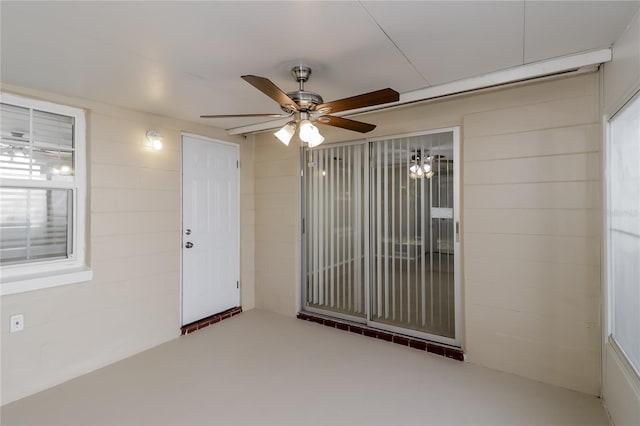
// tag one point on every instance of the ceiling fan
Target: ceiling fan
(307, 107)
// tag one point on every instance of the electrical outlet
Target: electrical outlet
(17, 323)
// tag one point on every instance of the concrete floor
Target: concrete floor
(261, 368)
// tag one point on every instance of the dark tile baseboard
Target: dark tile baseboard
(197, 325)
(420, 344)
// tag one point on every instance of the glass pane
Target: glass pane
(53, 165)
(624, 215)
(49, 156)
(412, 228)
(14, 146)
(14, 220)
(34, 224)
(52, 129)
(626, 286)
(14, 123)
(334, 223)
(14, 161)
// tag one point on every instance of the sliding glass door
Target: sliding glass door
(412, 193)
(334, 225)
(381, 242)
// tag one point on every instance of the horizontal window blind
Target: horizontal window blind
(52, 130)
(36, 145)
(34, 224)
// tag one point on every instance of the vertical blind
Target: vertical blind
(334, 226)
(379, 232)
(38, 184)
(412, 266)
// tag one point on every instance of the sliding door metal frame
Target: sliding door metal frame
(367, 143)
(456, 341)
(303, 233)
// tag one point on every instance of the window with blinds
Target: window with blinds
(38, 185)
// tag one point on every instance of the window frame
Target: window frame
(22, 277)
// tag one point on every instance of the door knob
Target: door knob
(189, 244)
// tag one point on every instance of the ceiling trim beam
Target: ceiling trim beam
(510, 75)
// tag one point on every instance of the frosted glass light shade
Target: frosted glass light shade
(416, 169)
(310, 134)
(316, 139)
(420, 170)
(306, 130)
(286, 133)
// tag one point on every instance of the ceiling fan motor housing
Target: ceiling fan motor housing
(305, 99)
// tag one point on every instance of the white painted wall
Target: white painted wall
(531, 180)
(277, 197)
(531, 214)
(134, 237)
(621, 79)
(537, 141)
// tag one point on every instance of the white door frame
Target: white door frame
(182, 240)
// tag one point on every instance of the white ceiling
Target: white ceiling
(183, 59)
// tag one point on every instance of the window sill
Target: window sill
(629, 368)
(29, 282)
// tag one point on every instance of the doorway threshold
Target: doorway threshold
(210, 320)
(404, 340)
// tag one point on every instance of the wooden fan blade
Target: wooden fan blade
(245, 115)
(345, 123)
(360, 101)
(267, 87)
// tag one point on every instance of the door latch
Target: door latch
(188, 245)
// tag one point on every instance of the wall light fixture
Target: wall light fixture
(154, 139)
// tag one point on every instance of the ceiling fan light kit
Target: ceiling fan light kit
(307, 107)
(421, 169)
(310, 134)
(285, 134)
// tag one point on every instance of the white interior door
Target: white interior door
(210, 228)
